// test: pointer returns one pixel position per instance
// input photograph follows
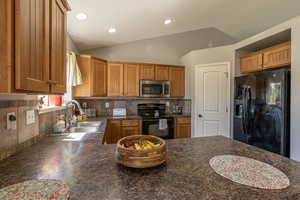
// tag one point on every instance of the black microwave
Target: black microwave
(154, 88)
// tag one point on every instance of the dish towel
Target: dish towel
(74, 77)
(163, 124)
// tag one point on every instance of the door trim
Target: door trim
(195, 108)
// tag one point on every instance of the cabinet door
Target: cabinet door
(113, 132)
(58, 47)
(161, 73)
(177, 78)
(251, 63)
(147, 72)
(115, 79)
(182, 127)
(127, 131)
(183, 131)
(277, 56)
(32, 45)
(7, 45)
(131, 79)
(99, 78)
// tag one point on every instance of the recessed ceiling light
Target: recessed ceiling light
(81, 16)
(168, 21)
(112, 30)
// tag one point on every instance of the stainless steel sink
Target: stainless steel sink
(83, 129)
(89, 124)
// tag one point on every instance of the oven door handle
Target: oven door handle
(150, 120)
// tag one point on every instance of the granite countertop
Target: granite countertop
(92, 173)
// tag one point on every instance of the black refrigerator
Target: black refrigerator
(262, 110)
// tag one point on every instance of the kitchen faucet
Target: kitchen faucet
(77, 104)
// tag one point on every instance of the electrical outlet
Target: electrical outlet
(30, 117)
(106, 105)
(11, 121)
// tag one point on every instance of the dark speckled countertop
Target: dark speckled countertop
(90, 170)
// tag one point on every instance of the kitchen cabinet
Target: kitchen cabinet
(131, 79)
(251, 63)
(58, 46)
(94, 77)
(117, 129)
(177, 78)
(182, 127)
(161, 73)
(115, 79)
(7, 46)
(33, 37)
(277, 56)
(147, 72)
(32, 42)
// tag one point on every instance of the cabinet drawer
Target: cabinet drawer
(130, 123)
(183, 120)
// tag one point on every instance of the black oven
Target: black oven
(154, 88)
(151, 127)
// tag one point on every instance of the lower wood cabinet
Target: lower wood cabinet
(117, 129)
(182, 127)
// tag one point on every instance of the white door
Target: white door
(212, 100)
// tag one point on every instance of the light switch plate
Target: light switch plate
(106, 105)
(30, 117)
(11, 125)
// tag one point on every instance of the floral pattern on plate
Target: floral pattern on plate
(36, 190)
(249, 172)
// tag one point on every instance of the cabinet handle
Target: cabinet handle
(52, 82)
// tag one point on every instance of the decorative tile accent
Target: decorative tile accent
(247, 171)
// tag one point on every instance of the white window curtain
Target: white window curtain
(74, 77)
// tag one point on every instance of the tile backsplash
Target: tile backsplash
(131, 105)
(13, 141)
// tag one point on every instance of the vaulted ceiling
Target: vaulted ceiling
(144, 19)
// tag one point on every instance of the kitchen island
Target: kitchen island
(92, 173)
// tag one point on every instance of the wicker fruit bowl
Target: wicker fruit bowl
(141, 151)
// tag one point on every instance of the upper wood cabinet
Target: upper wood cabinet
(251, 63)
(273, 57)
(94, 77)
(32, 45)
(58, 46)
(182, 127)
(115, 79)
(147, 72)
(277, 56)
(177, 78)
(6, 47)
(131, 79)
(161, 73)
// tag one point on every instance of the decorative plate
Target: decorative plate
(249, 172)
(36, 190)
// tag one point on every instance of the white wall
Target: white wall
(199, 57)
(71, 45)
(163, 50)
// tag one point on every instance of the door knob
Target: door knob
(200, 116)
